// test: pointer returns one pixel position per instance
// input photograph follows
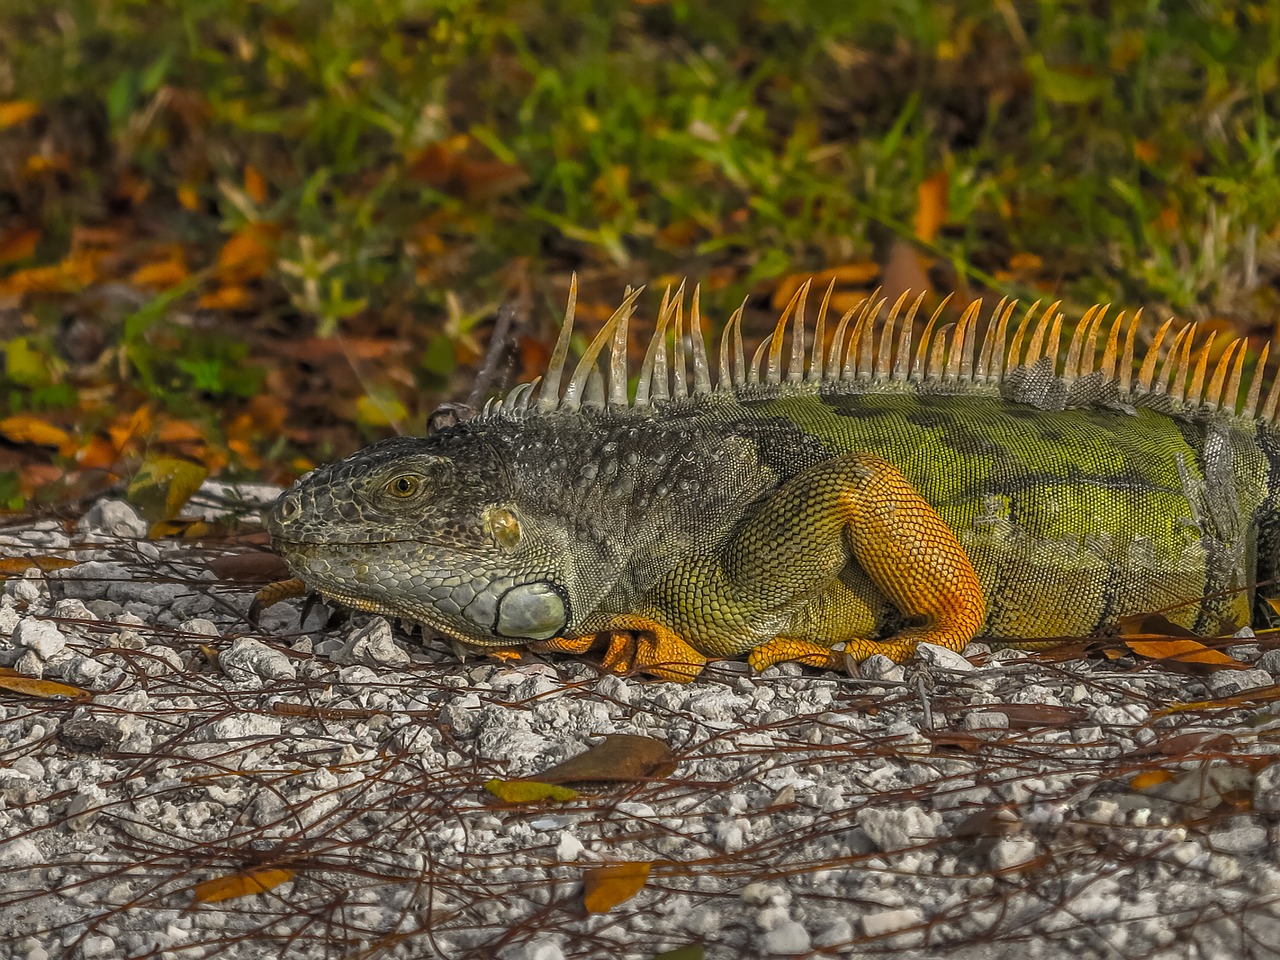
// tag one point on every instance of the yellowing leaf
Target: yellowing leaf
(1150, 778)
(24, 428)
(606, 887)
(163, 485)
(249, 251)
(188, 197)
(161, 275)
(15, 566)
(39, 688)
(528, 791)
(255, 184)
(931, 206)
(384, 410)
(226, 298)
(18, 244)
(243, 884)
(1181, 651)
(13, 112)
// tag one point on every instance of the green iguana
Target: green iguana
(870, 499)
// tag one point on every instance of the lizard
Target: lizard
(859, 490)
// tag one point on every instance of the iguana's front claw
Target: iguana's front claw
(789, 650)
(635, 645)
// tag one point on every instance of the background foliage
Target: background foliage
(250, 235)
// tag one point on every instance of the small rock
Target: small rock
(41, 637)
(891, 921)
(1010, 852)
(373, 646)
(569, 847)
(113, 519)
(198, 627)
(1239, 835)
(838, 933)
(941, 658)
(879, 668)
(1226, 683)
(787, 939)
(89, 734)
(250, 659)
(985, 720)
(30, 665)
(896, 828)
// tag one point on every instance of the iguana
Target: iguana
(856, 497)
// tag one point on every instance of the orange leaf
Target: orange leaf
(249, 251)
(39, 688)
(18, 244)
(243, 884)
(188, 197)
(1182, 651)
(24, 428)
(226, 298)
(606, 887)
(160, 276)
(13, 112)
(178, 431)
(1150, 778)
(255, 184)
(931, 206)
(13, 566)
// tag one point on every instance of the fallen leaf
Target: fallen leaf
(226, 298)
(692, 951)
(25, 428)
(18, 244)
(188, 197)
(528, 791)
(1150, 778)
(384, 410)
(904, 272)
(180, 529)
(32, 687)
(249, 251)
(260, 567)
(14, 112)
(16, 566)
(1157, 638)
(931, 206)
(163, 484)
(160, 275)
(857, 274)
(619, 757)
(255, 184)
(606, 887)
(243, 884)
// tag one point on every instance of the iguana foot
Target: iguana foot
(788, 650)
(635, 645)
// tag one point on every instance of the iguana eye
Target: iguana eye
(405, 485)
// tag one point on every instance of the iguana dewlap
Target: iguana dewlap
(858, 497)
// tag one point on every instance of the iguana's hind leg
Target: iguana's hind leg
(856, 507)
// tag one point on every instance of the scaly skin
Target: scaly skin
(814, 519)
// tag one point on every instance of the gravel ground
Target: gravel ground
(994, 805)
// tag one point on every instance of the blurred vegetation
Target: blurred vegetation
(250, 235)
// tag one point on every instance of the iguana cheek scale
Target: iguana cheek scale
(870, 496)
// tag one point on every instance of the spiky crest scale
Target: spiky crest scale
(881, 352)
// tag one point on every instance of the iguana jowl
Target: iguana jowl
(873, 497)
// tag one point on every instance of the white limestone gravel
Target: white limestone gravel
(998, 805)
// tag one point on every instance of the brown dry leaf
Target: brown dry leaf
(255, 184)
(528, 791)
(1150, 778)
(75, 272)
(226, 298)
(856, 274)
(603, 888)
(162, 274)
(1157, 638)
(25, 428)
(243, 884)
(15, 566)
(18, 244)
(249, 568)
(931, 206)
(98, 454)
(14, 112)
(1030, 715)
(16, 683)
(249, 252)
(904, 271)
(619, 757)
(180, 529)
(188, 197)
(170, 430)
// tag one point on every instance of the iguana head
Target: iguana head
(427, 529)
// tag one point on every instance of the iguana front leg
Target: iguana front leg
(856, 507)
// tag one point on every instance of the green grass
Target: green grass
(1134, 152)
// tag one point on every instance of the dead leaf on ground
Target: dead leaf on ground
(931, 206)
(15, 682)
(14, 112)
(249, 567)
(25, 428)
(528, 791)
(1150, 778)
(16, 566)
(1157, 638)
(606, 887)
(163, 485)
(248, 252)
(619, 757)
(243, 884)
(18, 244)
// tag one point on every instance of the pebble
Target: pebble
(787, 939)
(941, 658)
(373, 646)
(251, 659)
